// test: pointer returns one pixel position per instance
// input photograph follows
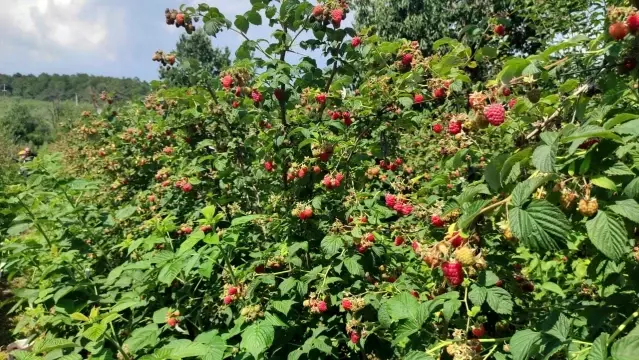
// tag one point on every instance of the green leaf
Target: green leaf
(524, 344)
(353, 266)
(241, 23)
(332, 244)
(283, 306)
(523, 190)
(632, 189)
(470, 211)
(160, 315)
(540, 226)
(245, 219)
(609, 236)
(80, 317)
(477, 295)
(627, 208)
(191, 241)
(619, 169)
(254, 17)
(499, 300)
(604, 182)
(599, 349)
(552, 287)
(521, 156)
(94, 332)
(629, 128)
(589, 131)
(417, 355)
(170, 271)
(143, 337)
(626, 348)
(257, 338)
(125, 213)
(544, 156)
(287, 285)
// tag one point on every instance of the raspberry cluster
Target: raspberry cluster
(453, 272)
(391, 165)
(454, 127)
(332, 11)
(269, 166)
(174, 17)
(398, 204)
(315, 305)
(323, 152)
(353, 304)
(344, 116)
(172, 318)
(331, 182)
(167, 60)
(184, 185)
(302, 212)
(252, 312)
(365, 242)
(232, 293)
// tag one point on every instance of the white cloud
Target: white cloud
(50, 29)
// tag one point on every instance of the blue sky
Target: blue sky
(99, 37)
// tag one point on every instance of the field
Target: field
(465, 200)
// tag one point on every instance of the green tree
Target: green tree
(529, 23)
(199, 60)
(24, 127)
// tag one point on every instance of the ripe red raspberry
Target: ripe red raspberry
(327, 181)
(418, 99)
(339, 177)
(316, 169)
(228, 299)
(456, 240)
(407, 209)
(335, 115)
(499, 283)
(259, 269)
(307, 213)
(390, 200)
(437, 128)
(528, 286)
(363, 219)
(369, 237)
(399, 161)
(495, 114)
(302, 172)
(172, 321)
(321, 306)
(354, 337)
(512, 102)
(399, 240)
(232, 290)
(206, 228)
(279, 94)
(618, 30)
(179, 19)
(268, 166)
(415, 245)
(439, 93)
(453, 272)
(347, 304)
(505, 91)
(415, 294)
(238, 91)
(499, 30)
(356, 41)
(407, 59)
(168, 150)
(227, 81)
(318, 10)
(479, 330)
(186, 230)
(186, 187)
(151, 198)
(362, 249)
(633, 22)
(392, 167)
(320, 98)
(337, 15)
(436, 221)
(235, 104)
(588, 143)
(256, 96)
(454, 127)
(346, 117)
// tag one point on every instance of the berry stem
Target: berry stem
(621, 327)
(492, 350)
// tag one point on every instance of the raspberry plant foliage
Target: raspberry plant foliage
(288, 211)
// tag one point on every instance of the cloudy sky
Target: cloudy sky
(100, 37)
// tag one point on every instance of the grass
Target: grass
(39, 108)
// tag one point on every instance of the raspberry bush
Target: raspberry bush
(462, 205)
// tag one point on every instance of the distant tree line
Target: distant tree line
(65, 87)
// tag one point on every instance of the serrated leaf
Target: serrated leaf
(143, 337)
(523, 190)
(353, 266)
(632, 189)
(524, 344)
(619, 169)
(191, 241)
(241, 23)
(94, 332)
(589, 131)
(417, 355)
(628, 208)
(80, 317)
(540, 225)
(332, 244)
(287, 285)
(125, 213)
(599, 349)
(477, 295)
(604, 182)
(499, 300)
(626, 348)
(283, 306)
(517, 158)
(552, 287)
(608, 235)
(245, 219)
(170, 271)
(160, 315)
(257, 338)
(470, 211)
